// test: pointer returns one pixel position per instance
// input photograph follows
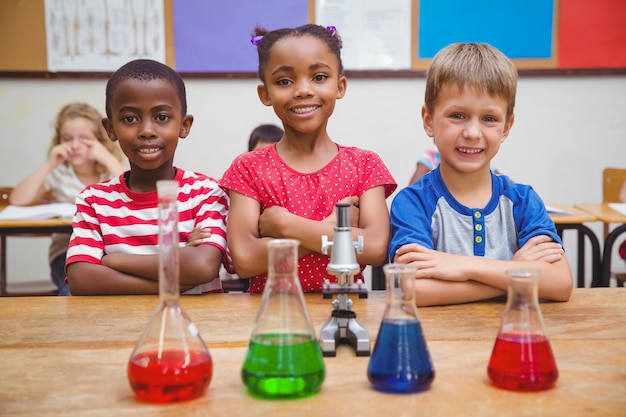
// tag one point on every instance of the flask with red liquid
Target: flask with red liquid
(170, 361)
(400, 362)
(522, 358)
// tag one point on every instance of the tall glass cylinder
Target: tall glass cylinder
(170, 361)
(400, 361)
(284, 358)
(522, 358)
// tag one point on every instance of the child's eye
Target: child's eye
(456, 116)
(490, 119)
(283, 81)
(129, 119)
(162, 117)
(320, 77)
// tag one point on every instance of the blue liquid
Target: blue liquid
(400, 361)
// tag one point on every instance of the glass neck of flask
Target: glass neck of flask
(169, 266)
(400, 292)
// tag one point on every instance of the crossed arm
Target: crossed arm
(249, 230)
(444, 278)
(123, 273)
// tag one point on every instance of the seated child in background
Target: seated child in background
(460, 224)
(290, 189)
(428, 161)
(264, 135)
(80, 154)
(113, 249)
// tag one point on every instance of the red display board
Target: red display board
(592, 34)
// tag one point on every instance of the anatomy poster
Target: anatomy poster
(102, 35)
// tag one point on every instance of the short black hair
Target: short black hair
(145, 70)
(264, 133)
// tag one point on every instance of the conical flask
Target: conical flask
(170, 361)
(522, 358)
(400, 361)
(284, 358)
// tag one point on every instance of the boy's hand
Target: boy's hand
(540, 248)
(197, 235)
(431, 263)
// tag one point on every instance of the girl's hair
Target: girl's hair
(477, 65)
(264, 133)
(84, 110)
(265, 40)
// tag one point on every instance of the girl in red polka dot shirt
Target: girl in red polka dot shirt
(290, 189)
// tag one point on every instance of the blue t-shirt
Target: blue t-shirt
(426, 213)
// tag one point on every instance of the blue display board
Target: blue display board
(520, 29)
(214, 35)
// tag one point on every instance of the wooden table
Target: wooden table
(576, 220)
(67, 356)
(26, 227)
(607, 215)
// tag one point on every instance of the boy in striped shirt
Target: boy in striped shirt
(113, 248)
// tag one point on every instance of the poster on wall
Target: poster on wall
(376, 34)
(102, 35)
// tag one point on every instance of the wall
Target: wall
(567, 130)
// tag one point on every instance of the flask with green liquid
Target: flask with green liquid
(284, 358)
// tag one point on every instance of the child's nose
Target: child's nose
(147, 129)
(472, 129)
(303, 88)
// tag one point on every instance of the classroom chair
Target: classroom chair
(37, 288)
(612, 180)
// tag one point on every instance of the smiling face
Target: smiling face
(302, 83)
(468, 126)
(147, 120)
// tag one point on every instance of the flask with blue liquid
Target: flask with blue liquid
(400, 361)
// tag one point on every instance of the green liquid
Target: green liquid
(283, 366)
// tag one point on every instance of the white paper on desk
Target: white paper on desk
(556, 211)
(619, 207)
(42, 211)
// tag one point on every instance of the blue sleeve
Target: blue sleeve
(531, 216)
(410, 215)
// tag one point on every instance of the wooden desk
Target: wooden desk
(26, 227)
(606, 215)
(575, 221)
(68, 355)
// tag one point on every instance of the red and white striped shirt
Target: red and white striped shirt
(110, 218)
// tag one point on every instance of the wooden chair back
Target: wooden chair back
(4, 195)
(612, 180)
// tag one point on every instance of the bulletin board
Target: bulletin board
(204, 38)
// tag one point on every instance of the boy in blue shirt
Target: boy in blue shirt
(462, 225)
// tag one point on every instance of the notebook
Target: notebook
(43, 211)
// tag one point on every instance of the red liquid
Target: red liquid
(176, 376)
(522, 363)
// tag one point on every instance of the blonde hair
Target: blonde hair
(86, 111)
(476, 65)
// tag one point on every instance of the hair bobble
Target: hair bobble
(332, 30)
(256, 40)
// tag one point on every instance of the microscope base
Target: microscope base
(343, 327)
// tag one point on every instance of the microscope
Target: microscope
(342, 326)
